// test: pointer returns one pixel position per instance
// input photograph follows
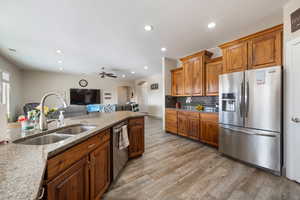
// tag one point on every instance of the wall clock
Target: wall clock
(83, 83)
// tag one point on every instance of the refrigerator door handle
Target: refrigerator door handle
(240, 100)
(247, 99)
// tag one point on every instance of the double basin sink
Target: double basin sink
(56, 135)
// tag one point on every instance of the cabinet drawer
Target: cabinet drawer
(136, 121)
(65, 159)
(213, 117)
(192, 115)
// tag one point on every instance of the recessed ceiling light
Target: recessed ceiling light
(133, 72)
(58, 51)
(60, 61)
(146, 67)
(211, 25)
(148, 28)
(123, 76)
(163, 49)
(60, 69)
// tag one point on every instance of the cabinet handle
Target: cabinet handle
(42, 193)
(91, 146)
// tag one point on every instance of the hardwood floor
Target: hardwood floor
(175, 168)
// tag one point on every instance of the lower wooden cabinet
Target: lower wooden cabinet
(72, 184)
(182, 124)
(193, 123)
(99, 171)
(136, 137)
(203, 127)
(70, 177)
(210, 129)
(189, 125)
(171, 121)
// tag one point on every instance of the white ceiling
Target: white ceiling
(97, 33)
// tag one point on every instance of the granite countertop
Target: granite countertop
(22, 167)
(194, 110)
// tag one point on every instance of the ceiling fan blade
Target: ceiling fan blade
(111, 75)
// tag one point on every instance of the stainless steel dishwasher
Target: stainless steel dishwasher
(120, 156)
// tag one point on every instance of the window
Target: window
(5, 91)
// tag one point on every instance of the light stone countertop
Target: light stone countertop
(22, 167)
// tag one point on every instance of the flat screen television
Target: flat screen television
(84, 96)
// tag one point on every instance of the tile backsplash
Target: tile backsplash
(206, 101)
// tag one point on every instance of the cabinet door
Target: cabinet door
(236, 57)
(72, 184)
(136, 137)
(182, 124)
(177, 83)
(193, 126)
(171, 121)
(210, 129)
(213, 70)
(197, 77)
(99, 171)
(265, 51)
(188, 78)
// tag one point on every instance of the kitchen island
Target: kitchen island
(23, 167)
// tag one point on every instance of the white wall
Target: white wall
(290, 7)
(154, 97)
(16, 83)
(36, 83)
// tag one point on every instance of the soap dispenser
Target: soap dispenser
(61, 119)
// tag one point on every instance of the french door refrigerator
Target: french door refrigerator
(250, 117)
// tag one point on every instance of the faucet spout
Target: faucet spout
(43, 124)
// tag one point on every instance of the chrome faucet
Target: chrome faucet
(43, 125)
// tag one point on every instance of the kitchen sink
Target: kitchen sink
(76, 129)
(56, 135)
(44, 139)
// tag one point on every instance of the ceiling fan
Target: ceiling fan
(104, 74)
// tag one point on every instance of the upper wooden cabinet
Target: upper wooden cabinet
(177, 88)
(213, 69)
(194, 73)
(235, 57)
(265, 50)
(262, 49)
(188, 81)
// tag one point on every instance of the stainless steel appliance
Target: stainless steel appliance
(119, 156)
(250, 117)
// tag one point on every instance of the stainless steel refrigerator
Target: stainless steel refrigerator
(250, 117)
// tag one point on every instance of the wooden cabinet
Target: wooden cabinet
(194, 73)
(189, 124)
(197, 76)
(82, 172)
(210, 128)
(265, 50)
(136, 137)
(212, 71)
(177, 82)
(72, 184)
(187, 73)
(182, 123)
(262, 49)
(193, 124)
(171, 121)
(236, 57)
(99, 171)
